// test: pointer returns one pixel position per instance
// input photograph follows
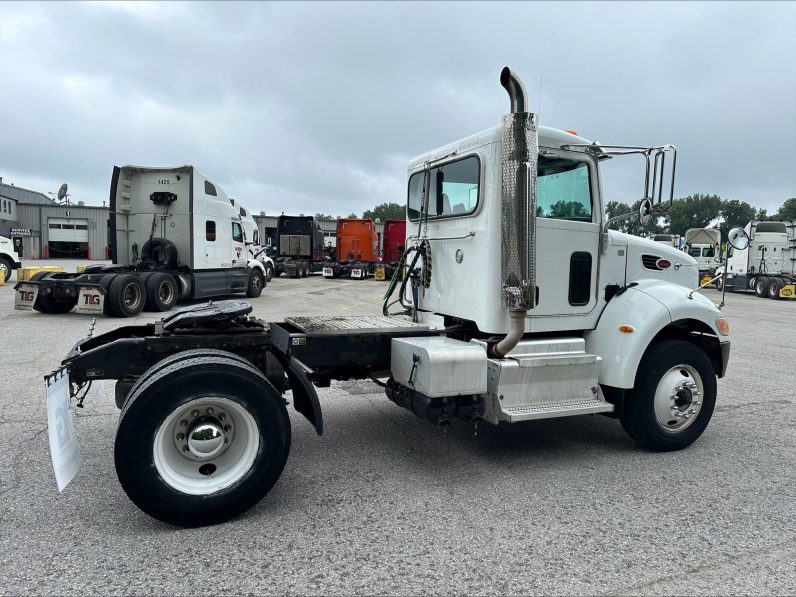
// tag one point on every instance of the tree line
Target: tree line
(698, 211)
(694, 211)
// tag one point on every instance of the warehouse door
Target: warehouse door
(67, 238)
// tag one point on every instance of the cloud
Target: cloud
(319, 106)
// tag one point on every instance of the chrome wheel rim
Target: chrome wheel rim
(132, 296)
(678, 398)
(166, 292)
(256, 282)
(206, 445)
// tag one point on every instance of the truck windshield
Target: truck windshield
(458, 189)
(563, 190)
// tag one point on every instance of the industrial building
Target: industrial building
(41, 228)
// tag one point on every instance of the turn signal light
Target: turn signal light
(723, 325)
(628, 329)
(571, 132)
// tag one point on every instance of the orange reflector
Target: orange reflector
(572, 132)
(628, 329)
(723, 325)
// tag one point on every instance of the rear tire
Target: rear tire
(201, 440)
(126, 296)
(6, 269)
(673, 398)
(773, 288)
(161, 292)
(269, 272)
(256, 284)
(761, 286)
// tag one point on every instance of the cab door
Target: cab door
(567, 234)
(237, 247)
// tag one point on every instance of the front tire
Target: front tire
(6, 269)
(201, 440)
(269, 272)
(256, 284)
(673, 398)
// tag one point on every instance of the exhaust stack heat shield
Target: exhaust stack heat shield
(518, 217)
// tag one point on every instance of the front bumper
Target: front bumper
(725, 357)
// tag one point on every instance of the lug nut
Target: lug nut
(183, 423)
(194, 413)
(227, 428)
(180, 437)
(210, 410)
(222, 416)
(185, 448)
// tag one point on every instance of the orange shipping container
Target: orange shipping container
(357, 240)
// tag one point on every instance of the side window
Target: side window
(694, 252)
(453, 189)
(237, 232)
(210, 189)
(708, 252)
(242, 213)
(256, 236)
(563, 190)
(210, 230)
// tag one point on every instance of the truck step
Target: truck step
(548, 410)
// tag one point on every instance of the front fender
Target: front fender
(649, 307)
(255, 264)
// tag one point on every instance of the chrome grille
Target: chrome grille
(650, 262)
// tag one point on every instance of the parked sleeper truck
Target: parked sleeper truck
(704, 245)
(533, 309)
(174, 235)
(299, 246)
(357, 249)
(393, 244)
(767, 266)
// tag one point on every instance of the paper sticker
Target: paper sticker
(61, 429)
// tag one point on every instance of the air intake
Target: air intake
(650, 262)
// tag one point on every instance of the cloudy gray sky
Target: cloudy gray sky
(305, 107)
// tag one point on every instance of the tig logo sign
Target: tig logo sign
(25, 297)
(238, 251)
(89, 300)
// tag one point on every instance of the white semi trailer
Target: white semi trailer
(767, 265)
(533, 309)
(174, 235)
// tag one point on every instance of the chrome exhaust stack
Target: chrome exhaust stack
(518, 214)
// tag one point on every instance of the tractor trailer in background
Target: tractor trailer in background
(357, 249)
(767, 266)
(174, 235)
(393, 245)
(300, 246)
(704, 245)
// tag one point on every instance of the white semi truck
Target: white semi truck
(704, 245)
(174, 235)
(767, 265)
(9, 259)
(532, 309)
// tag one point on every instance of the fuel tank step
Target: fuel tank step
(549, 410)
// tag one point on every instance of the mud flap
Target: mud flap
(305, 398)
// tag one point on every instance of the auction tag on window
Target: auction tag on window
(26, 296)
(61, 429)
(89, 300)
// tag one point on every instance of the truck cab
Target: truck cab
(9, 259)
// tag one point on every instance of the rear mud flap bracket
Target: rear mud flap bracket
(305, 398)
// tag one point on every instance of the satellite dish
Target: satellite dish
(738, 239)
(62, 192)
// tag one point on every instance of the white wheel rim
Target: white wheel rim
(196, 469)
(678, 398)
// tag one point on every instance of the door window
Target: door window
(453, 190)
(563, 190)
(237, 232)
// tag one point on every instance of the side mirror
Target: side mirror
(738, 239)
(645, 212)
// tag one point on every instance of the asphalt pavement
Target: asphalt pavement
(384, 503)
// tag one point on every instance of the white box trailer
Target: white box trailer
(174, 235)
